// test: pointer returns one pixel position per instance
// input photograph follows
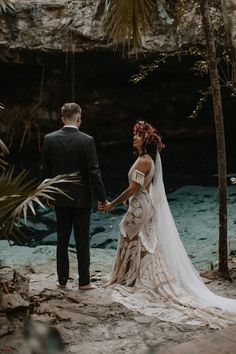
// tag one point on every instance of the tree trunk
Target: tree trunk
(220, 137)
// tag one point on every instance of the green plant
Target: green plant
(18, 195)
(6, 6)
(127, 21)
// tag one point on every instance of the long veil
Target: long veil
(173, 251)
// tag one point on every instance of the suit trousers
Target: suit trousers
(69, 218)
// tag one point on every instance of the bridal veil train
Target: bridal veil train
(161, 280)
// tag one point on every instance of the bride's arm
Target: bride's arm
(143, 167)
(133, 187)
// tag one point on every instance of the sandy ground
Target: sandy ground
(90, 322)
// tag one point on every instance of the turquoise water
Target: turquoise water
(190, 183)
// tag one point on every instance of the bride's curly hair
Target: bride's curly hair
(152, 140)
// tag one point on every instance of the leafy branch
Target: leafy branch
(146, 70)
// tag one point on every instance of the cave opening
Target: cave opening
(35, 84)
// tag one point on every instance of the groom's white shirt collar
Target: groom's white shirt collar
(70, 126)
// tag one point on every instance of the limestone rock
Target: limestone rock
(77, 26)
(230, 19)
(5, 326)
(14, 289)
(11, 302)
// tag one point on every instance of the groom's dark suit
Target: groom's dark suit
(66, 151)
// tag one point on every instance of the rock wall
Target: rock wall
(230, 18)
(62, 25)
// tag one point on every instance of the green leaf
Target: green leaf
(126, 22)
(6, 6)
(18, 196)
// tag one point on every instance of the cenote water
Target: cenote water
(190, 177)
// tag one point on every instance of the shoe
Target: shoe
(87, 287)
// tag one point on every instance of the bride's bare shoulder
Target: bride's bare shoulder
(145, 159)
(144, 163)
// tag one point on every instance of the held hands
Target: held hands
(107, 206)
(233, 180)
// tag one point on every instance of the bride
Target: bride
(152, 272)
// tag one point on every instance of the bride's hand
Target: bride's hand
(106, 207)
(233, 180)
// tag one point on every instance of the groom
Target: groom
(65, 151)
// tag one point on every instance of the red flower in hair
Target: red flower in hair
(149, 133)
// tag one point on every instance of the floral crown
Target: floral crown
(149, 133)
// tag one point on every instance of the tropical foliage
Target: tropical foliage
(18, 195)
(128, 20)
(3, 151)
(6, 6)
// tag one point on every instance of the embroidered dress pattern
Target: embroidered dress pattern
(140, 277)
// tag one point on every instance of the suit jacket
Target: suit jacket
(67, 151)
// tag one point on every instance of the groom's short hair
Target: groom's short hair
(69, 109)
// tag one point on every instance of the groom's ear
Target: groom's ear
(79, 121)
(63, 120)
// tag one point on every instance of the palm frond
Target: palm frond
(6, 6)
(3, 151)
(126, 21)
(18, 196)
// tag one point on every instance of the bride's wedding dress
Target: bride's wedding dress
(153, 273)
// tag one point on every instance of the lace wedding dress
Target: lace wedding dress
(153, 273)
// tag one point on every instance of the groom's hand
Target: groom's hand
(233, 180)
(101, 204)
(106, 206)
